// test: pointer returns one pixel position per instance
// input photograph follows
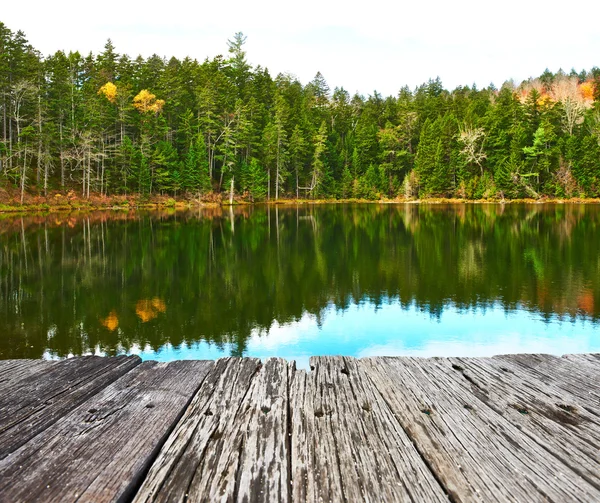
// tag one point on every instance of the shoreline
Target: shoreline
(61, 203)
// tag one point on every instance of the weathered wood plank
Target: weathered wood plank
(580, 379)
(564, 386)
(476, 453)
(101, 450)
(592, 359)
(263, 427)
(342, 428)
(205, 457)
(383, 429)
(551, 417)
(314, 465)
(13, 371)
(38, 400)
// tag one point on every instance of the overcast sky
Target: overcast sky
(361, 46)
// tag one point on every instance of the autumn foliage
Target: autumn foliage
(148, 309)
(109, 90)
(562, 89)
(587, 90)
(111, 321)
(145, 102)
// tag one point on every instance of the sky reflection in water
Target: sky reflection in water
(391, 330)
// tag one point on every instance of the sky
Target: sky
(361, 46)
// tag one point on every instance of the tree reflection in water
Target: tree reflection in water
(71, 284)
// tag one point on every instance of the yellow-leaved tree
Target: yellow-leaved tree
(587, 90)
(109, 90)
(145, 101)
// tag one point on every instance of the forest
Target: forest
(109, 124)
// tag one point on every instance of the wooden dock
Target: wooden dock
(508, 428)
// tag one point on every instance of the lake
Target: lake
(296, 281)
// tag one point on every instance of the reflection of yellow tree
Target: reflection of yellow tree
(471, 260)
(111, 321)
(148, 309)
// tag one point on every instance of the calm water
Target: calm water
(301, 281)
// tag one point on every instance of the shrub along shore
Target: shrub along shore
(68, 202)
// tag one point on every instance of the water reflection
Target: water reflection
(295, 281)
(147, 309)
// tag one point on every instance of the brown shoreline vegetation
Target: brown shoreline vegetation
(69, 201)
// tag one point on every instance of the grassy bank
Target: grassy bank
(70, 201)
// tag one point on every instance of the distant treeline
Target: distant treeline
(110, 124)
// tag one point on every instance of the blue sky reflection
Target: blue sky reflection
(364, 330)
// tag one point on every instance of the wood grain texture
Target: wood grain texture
(591, 359)
(262, 429)
(571, 374)
(508, 428)
(476, 453)
(13, 371)
(202, 459)
(545, 413)
(346, 443)
(101, 450)
(37, 400)
(314, 465)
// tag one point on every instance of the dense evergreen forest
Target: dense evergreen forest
(110, 124)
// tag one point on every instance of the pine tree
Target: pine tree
(298, 148)
(194, 177)
(318, 164)
(427, 155)
(256, 180)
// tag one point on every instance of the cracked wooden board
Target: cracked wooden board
(314, 467)
(556, 420)
(39, 399)
(572, 373)
(556, 395)
(232, 442)
(346, 443)
(592, 359)
(13, 371)
(476, 454)
(393, 429)
(100, 451)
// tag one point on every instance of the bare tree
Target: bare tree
(20, 92)
(566, 90)
(595, 126)
(81, 157)
(472, 140)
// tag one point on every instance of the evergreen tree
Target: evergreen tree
(194, 177)
(111, 124)
(255, 180)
